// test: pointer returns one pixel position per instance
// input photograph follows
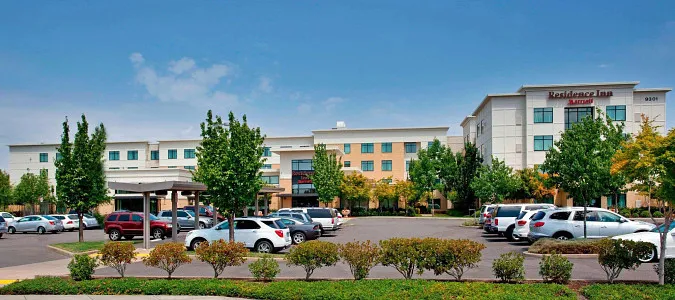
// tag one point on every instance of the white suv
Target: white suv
(262, 234)
(504, 217)
(326, 216)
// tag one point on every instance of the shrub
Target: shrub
(509, 267)
(555, 268)
(82, 266)
(99, 218)
(616, 255)
(451, 257)
(265, 268)
(167, 257)
(360, 256)
(625, 212)
(405, 254)
(577, 246)
(221, 254)
(312, 255)
(645, 214)
(669, 267)
(411, 212)
(657, 214)
(118, 255)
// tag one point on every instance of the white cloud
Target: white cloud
(136, 58)
(265, 84)
(331, 102)
(304, 108)
(604, 65)
(182, 65)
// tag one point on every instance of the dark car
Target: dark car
(205, 211)
(302, 216)
(130, 224)
(301, 231)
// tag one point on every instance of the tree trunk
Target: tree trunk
(649, 201)
(80, 231)
(230, 221)
(267, 208)
(585, 212)
(257, 208)
(664, 234)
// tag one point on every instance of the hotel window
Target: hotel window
(429, 144)
(302, 165)
(171, 167)
(477, 129)
(270, 179)
(114, 155)
(616, 112)
(574, 115)
(189, 153)
(410, 147)
(407, 165)
(348, 164)
(543, 115)
(132, 155)
(386, 165)
(386, 147)
(44, 157)
(367, 148)
(543, 142)
(189, 167)
(348, 148)
(173, 154)
(266, 166)
(267, 152)
(114, 168)
(132, 168)
(154, 155)
(611, 201)
(367, 165)
(58, 156)
(482, 126)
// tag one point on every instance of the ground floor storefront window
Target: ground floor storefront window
(612, 201)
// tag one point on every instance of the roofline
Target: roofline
(488, 97)
(446, 128)
(653, 90)
(542, 86)
(58, 144)
(466, 119)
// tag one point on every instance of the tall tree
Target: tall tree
(327, 174)
(80, 175)
(495, 182)
(355, 189)
(31, 189)
(445, 164)
(423, 174)
(5, 189)
(580, 162)
(533, 186)
(386, 195)
(404, 189)
(229, 159)
(468, 163)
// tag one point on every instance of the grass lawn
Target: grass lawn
(77, 247)
(628, 291)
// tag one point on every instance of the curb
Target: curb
(582, 256)
(66, 252)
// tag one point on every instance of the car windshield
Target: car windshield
(660, 228)
(74, 217)
(49, 218)
(153, 217)
(191, 213)
(88, 216)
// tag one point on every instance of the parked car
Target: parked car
(484, 211)
(301, 231)
(260, 234)
(326, 216)
(130, 224)
(3, 226)
(523, 223)
(504, 217)
(339, 218)
(653, 237)
(568, 222)
(35, 223)
(487, 224)
(89, 222)
(297, 215)
(186, 219)
(206, 211)
(9, 218)
(70, 222)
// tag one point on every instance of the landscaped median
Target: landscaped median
(628, 291)
(577, 246)
(83, 247)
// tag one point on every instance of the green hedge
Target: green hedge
(343, 289)
(628, 291)
(576, 246)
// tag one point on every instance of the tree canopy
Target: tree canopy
(533, 185)
(386, 193)
(495, 182)
(468, 164)
(355, 189)
(5, 189)
(327, 174)
(31, 189)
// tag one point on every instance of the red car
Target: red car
(130, 224)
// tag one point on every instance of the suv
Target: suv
(186, 219)
(504, 217)
(205, 211)
(326, 216)
(130, 224)
(297, 215)
(567, 223)
(3, 226)
(262, 234)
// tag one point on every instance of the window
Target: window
(58, 156)
(367, 148)
(563, 215)
(508, 211)
(608, 217)
(543, 142)
(171, 167)
(270, 179)
(173, 154)
(367, 165)
(616, 112)
(111, 217)
(302, 165)
(113, 155)
(611, 201)
(429, 144)
(132, 168)
(181, 214)
(132, 155)
(407, 165)
(386, 147)
(44, 157)
(114, 168)
(591, 216)
(189, 167)
(267, 152)
(386, 165)
(320, 213)
(410, 147)
(123, 218)
(266, 166)
(477, 129)
(137, 218)
(348, 148)
(348, 164)
(246, 224)
(189, 153)
(543, 115)
(154, 155)
(574, 115)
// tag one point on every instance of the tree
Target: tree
(468, 163)
(445, 164)
(422, 173)
(385, 193)
(664, 152)
(5, 189)
(533, 185)
(355, 189)
(80, 174)
(580, 162)
(404, 189)
(495, 182)
(229, 159)
(327, 174)
(31, 189)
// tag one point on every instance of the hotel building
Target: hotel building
(520, 127)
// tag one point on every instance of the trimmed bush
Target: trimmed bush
(117, 255)
(451, 257)
(625, 212)
(616, 255)
(167, 257)
(360, 256)
(628, 291)
(406, 255)
(576, 246)
(657, 214)
(645, 214)
(411, 212)
(669, 267)
(555, 268)
(509, 267)
(221, 254)
(312, 255)
(81, 267)
(265, 268)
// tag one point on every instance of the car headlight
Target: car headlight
(169, 225)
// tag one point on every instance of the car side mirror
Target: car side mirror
(672, 233)
(622, 220)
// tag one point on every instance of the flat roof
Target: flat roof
(653, 90)
(543, 86)
(485, 100)
(383, 129)
(157, 186)
(59, 143)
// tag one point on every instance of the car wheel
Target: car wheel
(114, 235)
(649, 257)
(177, 228)
(299, 238)
(71, 230)
(11, 230)
(128, 237)
(196, 242)
(157, 233)
(509, 234)
(202, 225)
(41, 230)
(1, 235)
(562, 236)
(264, 247)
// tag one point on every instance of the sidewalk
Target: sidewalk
(111, 297)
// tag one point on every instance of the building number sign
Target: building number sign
(651, 99)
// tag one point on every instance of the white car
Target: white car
(69, 223)
(89, 221)
(339, 218)
(653, 237)
(9, 218)
(523, 223)
(504, 217)
(262, 234)
(326, 216)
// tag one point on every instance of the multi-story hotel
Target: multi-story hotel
(520, 127)
(376, 153)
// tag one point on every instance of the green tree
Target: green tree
(404, 189)
(5, 189)
(532, 185)
(229, 159)
(385, 193)
(468, 163)
(31, 189)
(445, 164)
(664, 153)
(423, 174)
(495, 182)
(327, 174)
(80, 174)
(355, 189)
(580, 162)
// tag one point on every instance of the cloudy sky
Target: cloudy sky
(150, 70)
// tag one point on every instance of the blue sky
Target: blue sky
(149, 70)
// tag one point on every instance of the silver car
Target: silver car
(89, 222)
(186, 219)
(568, 223)
(3, 226)
(9, 218)
(35, 223)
